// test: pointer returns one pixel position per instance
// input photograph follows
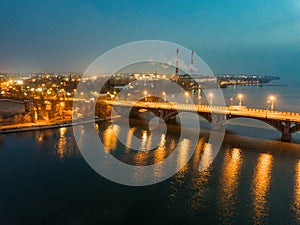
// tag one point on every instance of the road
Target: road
(234, 111)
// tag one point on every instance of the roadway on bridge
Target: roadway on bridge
(240, 112)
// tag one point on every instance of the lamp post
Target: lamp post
(267, 108)
(240, 98)
(231, 99)
(272, 99)
(187, 97)
(211, 95)
(146, 94)
(164, 96)
(199, 95)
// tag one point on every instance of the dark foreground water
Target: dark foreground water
(45, 180)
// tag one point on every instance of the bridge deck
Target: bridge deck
(242, 112)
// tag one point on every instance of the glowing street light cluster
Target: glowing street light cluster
(240, 96)
(271, 99)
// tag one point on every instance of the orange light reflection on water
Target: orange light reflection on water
(207, 157)
(296, 203)
(229, 182)
(110, 137)
(61, 147)
(184, 147)
(159, 155)
(260, 188)
(129, 137)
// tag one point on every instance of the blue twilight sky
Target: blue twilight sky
(232, 36)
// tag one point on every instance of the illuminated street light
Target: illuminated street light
(146, 94)
(164, 96)
(231, 99)
(272, 99)
(211, 95)
(267, 108)
(187, 97)
(240, 96)
(199, 95)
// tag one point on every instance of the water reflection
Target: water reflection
(197, 154)
(229, 183)
(61, 146)
(159, 155)
(184, 148)
(129, 138)
(199, 182)
(42, 136)
(261, 185)
(296, 203)
(146, 141)
(110, 137)
(207, 157)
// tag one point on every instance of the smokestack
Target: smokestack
(192, 61)
(177, 52)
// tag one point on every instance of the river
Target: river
(255, 178)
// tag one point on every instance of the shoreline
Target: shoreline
(16, 128)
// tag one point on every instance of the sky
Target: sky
(231, 36)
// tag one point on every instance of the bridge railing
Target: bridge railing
(227, 108)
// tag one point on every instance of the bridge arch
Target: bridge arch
(170, 115)
(275, 125)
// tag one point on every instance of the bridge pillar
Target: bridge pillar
(286, 135)
(161, 113)
(218, 121)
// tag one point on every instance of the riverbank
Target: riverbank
(43, 125)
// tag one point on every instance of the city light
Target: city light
(187, 97)
(240, 96)
(211, 95)
(272, 99)
(164, 96)
(146, 94)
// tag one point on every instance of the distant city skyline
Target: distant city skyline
(250, 37)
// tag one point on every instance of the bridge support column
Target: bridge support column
(286, 135)
(218, 121)
(161, 113)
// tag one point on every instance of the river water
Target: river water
(255, 178)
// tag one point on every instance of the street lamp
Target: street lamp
(272, 99)
(240, 97)
(267, 108)
(199, 95)
(231, 99)
(164, 96)
(187, 97)
(211, 95)
(145, 94)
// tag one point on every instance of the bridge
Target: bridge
(285, 122)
